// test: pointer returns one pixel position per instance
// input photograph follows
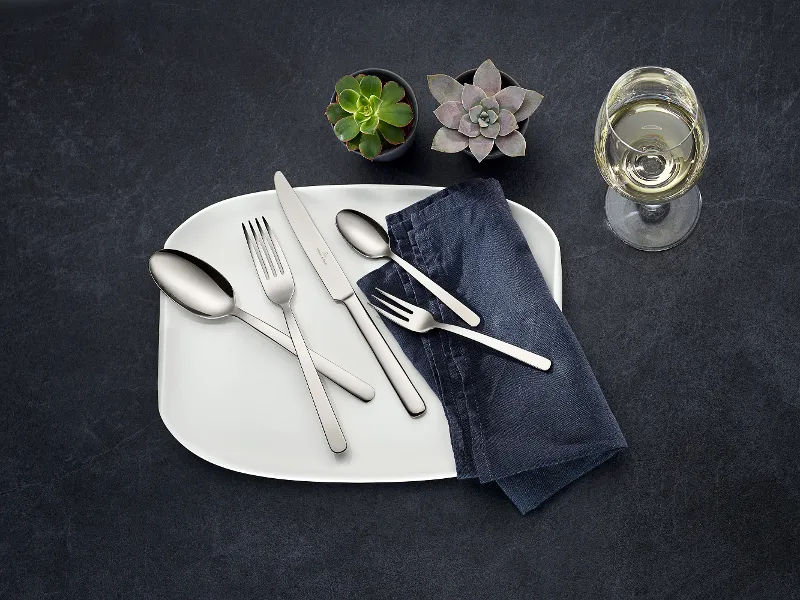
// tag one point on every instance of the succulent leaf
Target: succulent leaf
(369, 125)
(529, 105)
(508, 122)
(450, 113)
(492, 116)
(487, 77)
(444, 88)
(370, 145)
(334, 112)
(348, 100)
(490, 131)
(370, 86)
(393, 135)
(352, 145)
(449, 141)
(471, 95)
(348, 82)
(511, 98)
(392, 92)
(480, 147)
(490, 103)
(475, 113)
(512, 144)
(468, 128)
(399, 114)
(360, 76)
(346, 129)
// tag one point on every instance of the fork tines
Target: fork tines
(262, 248)
(399, 313)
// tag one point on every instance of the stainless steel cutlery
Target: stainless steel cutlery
(199, 288)
(278, 283)
(329, 271)
(370, 239)
(420, 320)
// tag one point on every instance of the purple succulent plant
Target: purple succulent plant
(481, 115)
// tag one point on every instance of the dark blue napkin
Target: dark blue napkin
(531, 432)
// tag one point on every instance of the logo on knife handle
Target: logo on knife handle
(323, 256)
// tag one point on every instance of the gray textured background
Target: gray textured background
(121, 119)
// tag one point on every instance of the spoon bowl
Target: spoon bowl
(363, 233)
(193, 284)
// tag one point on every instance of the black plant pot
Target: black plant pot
(394, 152)
(505, 81)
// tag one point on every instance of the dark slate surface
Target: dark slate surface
(120, 119)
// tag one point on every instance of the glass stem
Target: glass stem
(653, 213)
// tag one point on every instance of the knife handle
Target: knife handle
(398, 377)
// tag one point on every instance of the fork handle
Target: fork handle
(322, 404)
(360, 389)
(409, 396)
(529, 358)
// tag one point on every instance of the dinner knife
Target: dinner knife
(331, 274)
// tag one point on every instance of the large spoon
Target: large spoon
(368, 238)
(201, 289)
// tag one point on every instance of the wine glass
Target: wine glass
(650, 143)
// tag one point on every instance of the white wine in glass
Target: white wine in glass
(651, 142)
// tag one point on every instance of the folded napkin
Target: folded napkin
(531, 432)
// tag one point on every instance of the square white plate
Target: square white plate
(238, 400)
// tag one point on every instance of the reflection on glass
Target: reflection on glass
(651, 142)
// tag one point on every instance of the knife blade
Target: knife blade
(335, 281)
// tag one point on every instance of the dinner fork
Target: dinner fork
(420, 320)
(278, 283)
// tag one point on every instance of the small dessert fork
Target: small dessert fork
(420, 320)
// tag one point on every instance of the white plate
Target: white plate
(238, 400)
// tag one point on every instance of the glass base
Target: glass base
(653, 227)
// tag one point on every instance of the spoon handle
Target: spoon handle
(360, 389)
(458, 307)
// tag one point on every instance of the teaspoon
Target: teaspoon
(368, 238)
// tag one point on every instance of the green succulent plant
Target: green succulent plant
(368, 115)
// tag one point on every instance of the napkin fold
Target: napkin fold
(532, 432)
